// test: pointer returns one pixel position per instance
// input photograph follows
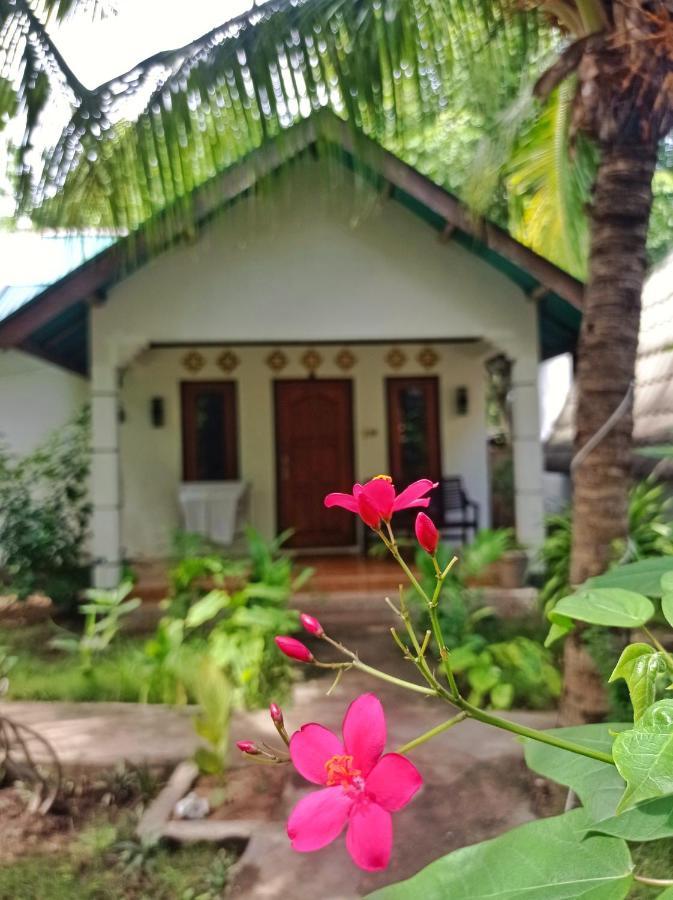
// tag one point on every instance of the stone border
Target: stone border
(156, 822)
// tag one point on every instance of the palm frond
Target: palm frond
(142, 142)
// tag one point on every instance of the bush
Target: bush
(45, 515)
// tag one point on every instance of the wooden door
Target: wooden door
(314, 455)
(413, 429)
(209, 430)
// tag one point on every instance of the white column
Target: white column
(527, 453)
(105, 477)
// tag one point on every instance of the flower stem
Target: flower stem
(533, 733)
(370, 670)
(433, 732)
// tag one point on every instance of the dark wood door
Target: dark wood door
(314, 455)
(209, 430)
(413, 429)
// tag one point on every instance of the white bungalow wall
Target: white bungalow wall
(293, 265)
(36, 398)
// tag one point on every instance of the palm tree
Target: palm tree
(392, 68)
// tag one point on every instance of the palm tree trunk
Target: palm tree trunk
(606, 361)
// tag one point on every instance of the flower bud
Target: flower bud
(248, 747)
(311, 625)
(426, 533)
(293, 648)
(276, 714)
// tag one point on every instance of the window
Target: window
(209, 431)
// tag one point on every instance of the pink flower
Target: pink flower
(311, 624)
(293, 648)
(426, 533)
(248, 747)
(276, 714)
(361, 787)
(377, 500)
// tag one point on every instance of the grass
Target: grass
(42, 673)
(190, 873)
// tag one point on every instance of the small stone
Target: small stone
(192, 806)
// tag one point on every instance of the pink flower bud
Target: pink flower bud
(276, 714)
(311, 625)
(248, 747)
(426, 533)
(293, 648)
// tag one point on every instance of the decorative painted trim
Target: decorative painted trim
(193, 361)
(428, 358)
(345, 359)
(276, 360)
(396, 358)
(311, 360)
(228, 361)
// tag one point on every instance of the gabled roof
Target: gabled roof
(53, 322)
(653, 398)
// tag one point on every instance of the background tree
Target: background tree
(393, 69)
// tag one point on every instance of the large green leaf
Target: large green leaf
(598, 785)
(643, 576)
(549, 859)
(639, 665)
(613, 607)
(207, 608)
(644, 756)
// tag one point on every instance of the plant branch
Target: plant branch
(433, 732)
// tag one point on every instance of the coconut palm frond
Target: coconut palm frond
(144, 141)
(548, 185)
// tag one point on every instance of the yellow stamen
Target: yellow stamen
(340, 770)
(382, 478)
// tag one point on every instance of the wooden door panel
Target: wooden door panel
(314, 447)
(209, 430)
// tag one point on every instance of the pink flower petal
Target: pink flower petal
(368, 511)
(364, 731)
(369, 838)
(310, 748)
(382, 494)
(318, 819)
(345, 501)
(393, 781)
(411, 496)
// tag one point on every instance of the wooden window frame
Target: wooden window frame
(189, 391)
(434, 421)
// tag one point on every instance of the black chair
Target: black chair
(454, 513)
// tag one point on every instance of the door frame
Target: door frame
(277, 386)
(390, 381)
(187, 389)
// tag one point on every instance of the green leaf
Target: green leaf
(643, 576)
(649, 821)
(560, 627)
(614, 607)
(502, 696)
(598, 785)
(207, 608)
(483, 678)
(209, 762)
(644, 756)
(667, 596)
(544, 860)
(639, 665)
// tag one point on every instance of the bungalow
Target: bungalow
(292, 345)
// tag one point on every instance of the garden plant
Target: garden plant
(621, 774)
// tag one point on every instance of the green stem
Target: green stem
(377, 673)
(433, 732)
(653, 882)
(533, 733)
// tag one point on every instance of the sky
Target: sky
(99, 50)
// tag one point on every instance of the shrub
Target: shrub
(45, 515)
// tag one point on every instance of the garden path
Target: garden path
(475, 782)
